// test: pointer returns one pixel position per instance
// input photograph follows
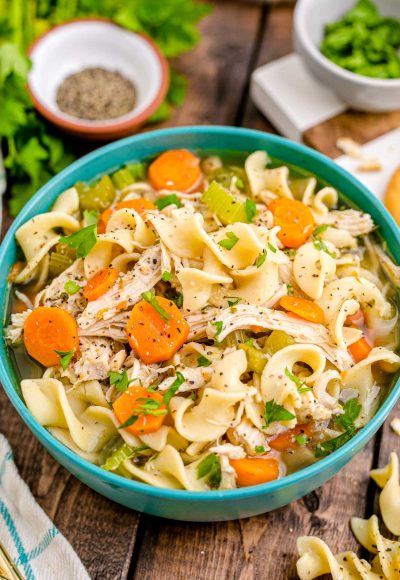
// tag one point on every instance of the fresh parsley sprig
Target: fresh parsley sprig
(301, 386)
(120, 380)
(274, 412)
(151, 299)
(65, 357)
(229, 242)
(170, 392)
(210, 466)
(82, 241)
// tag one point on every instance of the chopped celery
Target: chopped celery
(98, 196)
(122, 178)
(138, 170)
(61, 259)
(224, 176)
(256, 359)
(121, 454)
(277, 340)
(234, 339)
(227, 207)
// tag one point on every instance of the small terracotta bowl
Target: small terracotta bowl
(86, 43)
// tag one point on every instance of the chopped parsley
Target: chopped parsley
(120, 380)
(261, 259)
(151, 299)
(65, 357)
(290, 252)
(171, 199)
(272, 248)
(150, 407)
(320, 244)
(202, 361)
(132, 419)
(170, 392)
(82, 241)
(229, 242)
(259, 449)
(210, 466)
(301, 386)
(327, 447)
(71, 287)
(250, 209)
(301, 439)
(274, 412)
(166, 277)
(233, 301)
(219, 326)
(352, 409)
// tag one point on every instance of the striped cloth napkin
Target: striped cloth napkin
(35, 545)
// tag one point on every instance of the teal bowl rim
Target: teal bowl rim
(340, 456)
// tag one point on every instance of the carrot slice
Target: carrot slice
(153, 338)
(295, 220)
(286, 441)
(144, 411)
(304, 308)
(100, 283)
(47, 330)
(360, 350)
(357, 319)
(255, 471)
(140, 204)
(177, 169)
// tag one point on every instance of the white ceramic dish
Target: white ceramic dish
(359, 92)
(80, 44)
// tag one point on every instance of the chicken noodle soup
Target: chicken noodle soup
(200, 323)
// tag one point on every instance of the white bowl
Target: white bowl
(86, 43)
(362, 93)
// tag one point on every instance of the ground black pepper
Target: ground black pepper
(96, 94)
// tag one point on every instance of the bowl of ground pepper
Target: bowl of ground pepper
(94, 79)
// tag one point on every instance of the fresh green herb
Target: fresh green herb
(301, 439)
(166, 277)
(290, 252)
(71, 287)
(364, 42)
(301, 386)
(233, 301)
(150, 407)
(141, 448)
(274, 412)
(320, 230)
(132, 419)
(352, 409)
(170, 392)
(249, 342)
(219, 326)
(239, 183)
(163, 202)
(91, 217)
(202, 361)
(259, 449)
(250, 209)
(210, 466)
(289, 288)
(65, 357)
(149, 296)
(82, 241)
(261, 259)
(327, 447)
(120, 380)
(320, 244)
(229, 242)
(272, 248)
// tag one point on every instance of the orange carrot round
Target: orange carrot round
(153, 338)
(295, 220)
(360, 350)
(99, 283)
(177, 169)
(140, 204)
(144, 410)
(251, 471)
(47, 330)
(286, 441)
(306, 309)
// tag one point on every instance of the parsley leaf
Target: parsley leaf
(234, 301)
(327, 447)
(166, 277)
(250, 209)
(120, 380)
(320, 244)
(82, 241)
(170, 392)
(301, 386)
(91, 216)
(150, 297)
(259, 449)
(261, 259)
(352, 409)
(202, 361)
(65, 357)
(274, 412)
(210, 466)
(272, 248)
(229, 242)
(163, 202)
(301, 439)
(71, 287)
(150, 407)
(219, 326)
(132, 419)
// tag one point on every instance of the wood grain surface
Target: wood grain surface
(116, 543)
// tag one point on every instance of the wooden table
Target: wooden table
(116, 543)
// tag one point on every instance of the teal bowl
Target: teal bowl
(180, 504)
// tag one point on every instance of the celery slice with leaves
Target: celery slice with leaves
(226, 206)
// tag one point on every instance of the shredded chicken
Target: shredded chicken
(97, 357)
(250, 437)
(13, 332)
(195, 378)
(391, 270)
(231, 451)
(114, 328)
(355, 222)
(124, 294)
(56, 296)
